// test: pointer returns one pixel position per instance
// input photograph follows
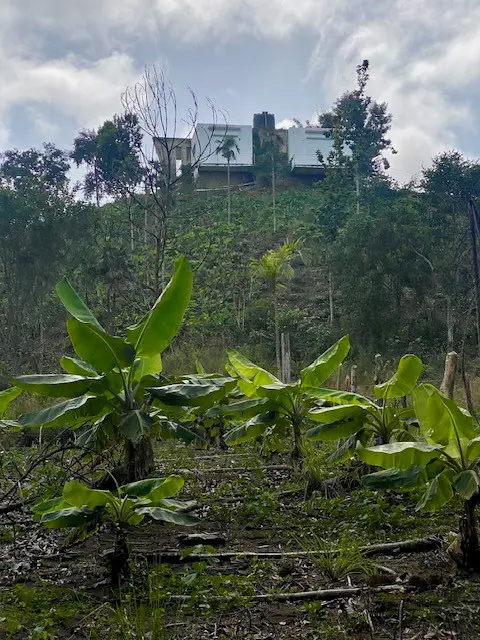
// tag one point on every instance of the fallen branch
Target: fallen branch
(322, 594)
(387, 548)
(273, 467)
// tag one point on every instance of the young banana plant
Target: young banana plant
(447, 462)
(87, 509)
(270, 407)
(356, 418)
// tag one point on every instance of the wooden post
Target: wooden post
(348, 385)
(353, 378)
(339, 376)
(448, 384)
(378, 368)
(331, 315)
(286, 361)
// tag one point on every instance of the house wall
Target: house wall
(303, 144)
(208, 137)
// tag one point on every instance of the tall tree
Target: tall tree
(112, 155)
(152, 102)
(228, 149)
(361, 124)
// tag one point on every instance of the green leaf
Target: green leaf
(403, 380)
(342, 412)
(473, 449)
(77, 367)
(466, 483)
(250, 371)
(347, 449)
(56, 385)
(201, 394)
(251, 429)
(200, 369)
(247, 408)
(70, 517)
(7, 396)
(74, 304)
(335, 430)
(162, 323)
(441, 420)
(339, 397)
(394, 478)
(323, 367)
(64, 412)
(175, 517)
(97, 436)
(78, 495)
(399, 455)
(154, 489)
(438, 493)
(102, 351)
(151, 366)
(135, 424)
(54, 504)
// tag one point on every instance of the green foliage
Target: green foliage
(357, 418)
(88, 508)
(116, 406)
(277, 408)
(447, 461)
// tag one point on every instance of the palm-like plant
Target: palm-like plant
(228, 149)
(275, 268)
(271, 142)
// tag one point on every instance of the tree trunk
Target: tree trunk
(273, 196)
(476, 274)
(357, 191)
(286, 359)
(120, 565)
(229, 203)
(139, 459)
(448, 384)
(449, 324)
(297, 447)
(278, 355)
(331, 315)
(469, 556)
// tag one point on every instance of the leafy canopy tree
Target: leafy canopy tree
(44, 170)
(361, 124)
(112, 155)
(106, 388)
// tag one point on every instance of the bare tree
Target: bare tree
(168, 137)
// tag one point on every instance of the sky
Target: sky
(65, 63)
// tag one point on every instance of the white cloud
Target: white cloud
(422, 54)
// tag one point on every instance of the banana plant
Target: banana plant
(7, 396)
(87, 510)
(104, 390)
(356, 418)
(447, 461)
(270, 407)
(200, 400)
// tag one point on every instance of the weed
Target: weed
(337, 559)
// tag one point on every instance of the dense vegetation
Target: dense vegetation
(179, 303)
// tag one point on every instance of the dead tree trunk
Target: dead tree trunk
(448, 384)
